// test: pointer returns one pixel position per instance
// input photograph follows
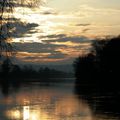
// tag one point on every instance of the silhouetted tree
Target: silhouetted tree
(98, 75)
(108, 55)
(101, 66)
(6, 66)
(15, 71)
(6, 10)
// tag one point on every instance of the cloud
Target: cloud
(47, 11)
(87, 10)
(19, 29)
(54, 36)
(60, 49)
(64, 38)
(57, 55)
(36, 47)
(85, 30)
(23, 29)
(83, 24)
(39, 57)
(39, 52)
(56, 33)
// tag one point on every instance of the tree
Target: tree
(6, 10)
(6, 66)
(101, 67)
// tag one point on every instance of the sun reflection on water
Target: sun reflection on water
(13, 114)
(38, 113)
(48, 105)
(26, 113)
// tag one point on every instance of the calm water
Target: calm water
(35, 101)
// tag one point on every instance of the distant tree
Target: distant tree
(6, 66)
(15, 71)
(84, 64)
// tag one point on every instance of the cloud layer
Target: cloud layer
(55, 32)
(48, 51)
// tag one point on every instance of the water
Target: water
(55, 101)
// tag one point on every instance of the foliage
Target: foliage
(6, 10)
(99, 70)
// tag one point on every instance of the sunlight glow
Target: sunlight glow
(26, 113)
(44, 107)
(29, 114)
(69, 43)
(27, 54)
(35, 116)
(14, 114)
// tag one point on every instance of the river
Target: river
(39, 101)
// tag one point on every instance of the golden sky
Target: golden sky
(59, 31)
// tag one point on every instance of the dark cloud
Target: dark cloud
(54, 36)
(57, 55)
(22, 29)
(40, 48)
(37, 47)
(85, 30)
(83, 24)
(48, 46)
(31, 58)
(18, 28)
(49, 13)
(56, 51)
(64, 38)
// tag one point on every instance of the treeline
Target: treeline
(99, 70)
(9, 70)
(98, 76)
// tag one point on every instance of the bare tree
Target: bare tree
(6, 10)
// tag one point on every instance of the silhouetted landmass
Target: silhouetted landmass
(9, 70)
(98, 76)
(13, 76)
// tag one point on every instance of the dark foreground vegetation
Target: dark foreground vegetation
(98, 76)
(12, 76)
(9, 70)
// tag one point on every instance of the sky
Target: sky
(56, 32)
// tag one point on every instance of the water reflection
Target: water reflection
(13, 114)
(34, 102)
(61, 110)
(104, 105)
(56, 102)
(26, 113)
